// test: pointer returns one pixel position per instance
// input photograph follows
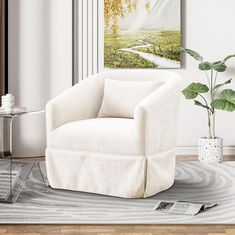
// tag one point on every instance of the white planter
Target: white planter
(210, 150)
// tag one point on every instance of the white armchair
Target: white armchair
(122, 157)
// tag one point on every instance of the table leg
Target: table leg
(11, 154)
(40, 170)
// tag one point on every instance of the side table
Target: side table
(14, 171)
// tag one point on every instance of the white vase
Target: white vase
(210, 150)
(7, 103)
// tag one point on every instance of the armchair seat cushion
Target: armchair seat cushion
(113, 136)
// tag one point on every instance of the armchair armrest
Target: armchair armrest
(79, 102)
(156, 118)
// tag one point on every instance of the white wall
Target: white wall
(40, 47)
(207, 28)
(40, 63)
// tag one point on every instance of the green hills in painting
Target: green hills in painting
(124, 50)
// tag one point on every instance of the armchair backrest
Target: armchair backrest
(84, 100)
(168, 81)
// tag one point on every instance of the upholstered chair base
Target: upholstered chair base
(114, 175)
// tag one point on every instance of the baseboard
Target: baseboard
(193, 150)
(180, 151)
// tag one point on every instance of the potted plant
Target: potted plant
(210, 96)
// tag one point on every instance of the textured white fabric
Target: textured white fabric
(114, 175)
(160, 172)
(121, 157)
(82, 101)
(100, 135)
(156, 119)
(121, 98)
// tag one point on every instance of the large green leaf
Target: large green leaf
(229, 57)
(204, 66)
(200, 104)
(226, 101)
(192, 53)
(223, 105)
(222, 84)
(228, 94)
(219, 67)
(192, 91)
(189, 94)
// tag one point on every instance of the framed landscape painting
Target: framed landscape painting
(142, 34)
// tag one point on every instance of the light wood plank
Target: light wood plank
(118, 229)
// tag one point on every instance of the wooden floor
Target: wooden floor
(121, 229)
(118, 229)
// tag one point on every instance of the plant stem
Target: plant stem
(207, 76)
(212, 126)
(211, 119)
(209, 124)
(210, 111)
(215, 81)
(205, 102)
(211, 87)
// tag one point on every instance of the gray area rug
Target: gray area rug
(194, 181)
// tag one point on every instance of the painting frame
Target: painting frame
(162, 43)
